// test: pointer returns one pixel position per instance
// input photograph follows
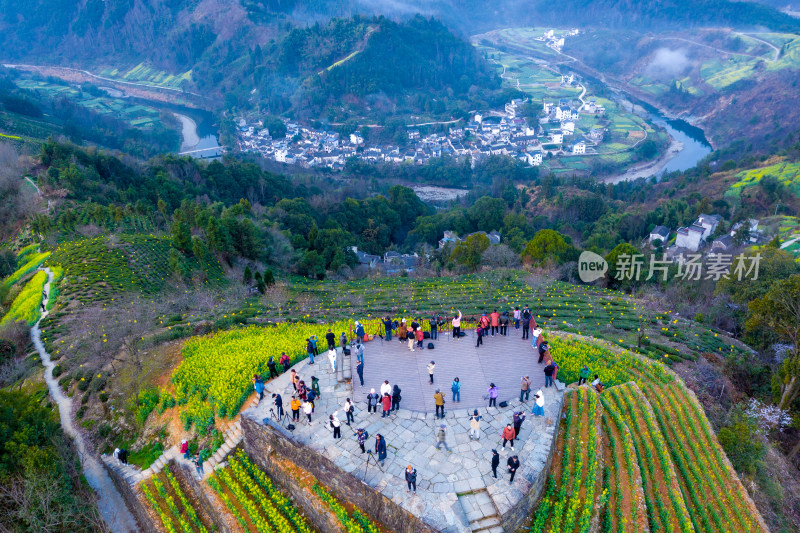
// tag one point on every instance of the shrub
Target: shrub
(146, 401)
(742, 444)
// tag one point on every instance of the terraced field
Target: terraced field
(664, 469)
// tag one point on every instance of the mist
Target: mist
(668, 64)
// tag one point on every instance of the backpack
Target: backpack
(430, 346)
(366, 434)
(426, 335)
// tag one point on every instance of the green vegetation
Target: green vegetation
(42, 486)
(27, 305)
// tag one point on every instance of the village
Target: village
(555, 132)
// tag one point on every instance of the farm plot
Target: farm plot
(572, 489)
(253, 500)
(170, 501)
(666, 508)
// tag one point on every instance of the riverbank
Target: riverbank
(188, 132)
(649, 168)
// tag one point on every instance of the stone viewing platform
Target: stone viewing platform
(456, 491)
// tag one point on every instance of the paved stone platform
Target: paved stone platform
(456, 491)
(501, 360)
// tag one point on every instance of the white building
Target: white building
(356, 138)
(579, 148)
(660, 233)
(709, 224)
(690, 238)
(556, 137)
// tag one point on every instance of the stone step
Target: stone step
(147, 473)
(225, 448)
(485, 523)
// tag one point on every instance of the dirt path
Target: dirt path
(110, 503)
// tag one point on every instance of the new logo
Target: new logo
(591, 266)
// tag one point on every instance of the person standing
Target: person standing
(517, 315)
(385, 387)
(258, 385)
(431, 368)
(495, 322)
(525, 389)
(441, 438)
(456, 388)
(311, 350)
(508, 436)
(308, 408)
(273, 371)
(411, 479)
(360, 333)
(372, 401)
(359, 352)
(278, 401)
(504, 324)
(380, 448)
(285, 362)
(349, 409)
(475, 426)
(548, 375)
(479, 331)
(335, 425)
(294, 379)
(310, 397)
(420, 338)
(343, 340)
(396, 398)
(456, 323)
(386, 403)
(387, 326)
(314, 340)
(544, 352)
(315, 386)
(402, 331)
(412, 339)
(584, 375)
(538, 406)
(302, 390)
(495, 462)
(332, 359)
(526, 321)
(184, 449)
(198, 464)
(295, 405)
(360, 372)
(518, 418)
(361, 436)
(484, 323)
(331, 338)
(434, 323)
(438, 398)
(513, 465)
(493, 392)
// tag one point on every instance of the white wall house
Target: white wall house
(660, 233)
(556, 137)
(579, 148)
(690, 238)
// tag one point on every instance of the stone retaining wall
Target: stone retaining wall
(270, 445)
(210, 509)
(519, 516)
(133, 502)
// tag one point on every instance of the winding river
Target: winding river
(688, 144)
(199, 137)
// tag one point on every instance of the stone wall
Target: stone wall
(519, 516)
(134, 503)
(270, 446)
(209, 508)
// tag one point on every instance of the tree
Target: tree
(248, 275)
(181, 236)
(778, 312)
(548, 245)
(486, 214)
(622, 261)
(469, 251)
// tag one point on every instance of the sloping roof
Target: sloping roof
(661, 230)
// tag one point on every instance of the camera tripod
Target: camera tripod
(371, 458)
(283, 419)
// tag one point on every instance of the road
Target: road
(728, 52)
(777, 50)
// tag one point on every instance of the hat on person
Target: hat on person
(372, 391)
(438, 390)
(442, 426)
